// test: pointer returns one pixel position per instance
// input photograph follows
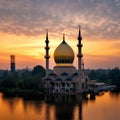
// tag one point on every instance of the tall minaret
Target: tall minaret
(47, 52)
(79, 45)
(82, 65)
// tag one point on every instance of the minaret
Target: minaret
(79, 45)
(47, 52)
(82, 65)
(12, 63)
(63, 37)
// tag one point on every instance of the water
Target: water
(103, 107)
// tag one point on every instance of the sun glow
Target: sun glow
(30, 50)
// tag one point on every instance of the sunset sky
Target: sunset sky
(23, 25)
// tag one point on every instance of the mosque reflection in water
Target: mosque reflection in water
(56, 107)
(67, 107)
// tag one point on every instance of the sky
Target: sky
(23, 25)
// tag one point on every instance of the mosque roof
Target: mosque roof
(68, 79)
(52, 74)
(48, 79)
(74, 74)
(58, 79)
(64, 54)
(64, 74)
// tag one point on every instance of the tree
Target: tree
(114, 75)
(9, 80)
(39, 70)
(33, 79)
(92, 75)
(5, 75)
(9, 83)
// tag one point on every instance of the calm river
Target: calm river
(103, 107)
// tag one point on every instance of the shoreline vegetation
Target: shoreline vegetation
(28, 84)
(26, 94)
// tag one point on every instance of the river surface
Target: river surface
(103, 107)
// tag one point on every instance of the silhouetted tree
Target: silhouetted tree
(33, 79)
(5, 75)
(25, 74)
(92, 75)
(9, 83)
(10, 80)
(39, 70)
(114, 75)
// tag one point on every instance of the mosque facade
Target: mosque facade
(65, 77)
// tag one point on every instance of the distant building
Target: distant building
(12, 63)
(65, 78)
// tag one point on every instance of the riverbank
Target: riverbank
(37, 94)
(25, 93)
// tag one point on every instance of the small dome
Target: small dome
(64, 74)
(64, 54)
(58, 79)
(68, 79)
(52, 74)
(48, 79)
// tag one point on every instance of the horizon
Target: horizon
(23, 27)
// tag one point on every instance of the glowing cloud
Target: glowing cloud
(23, 24)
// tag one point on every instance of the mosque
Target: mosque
(65, 78)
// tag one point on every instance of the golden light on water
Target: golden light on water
(104, 106)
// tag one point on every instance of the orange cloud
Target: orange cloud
(30, 51)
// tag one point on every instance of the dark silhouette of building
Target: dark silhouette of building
(65, 78)
(47, 52)
(12, 63)
(79, 45)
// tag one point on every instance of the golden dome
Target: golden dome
(64, 54)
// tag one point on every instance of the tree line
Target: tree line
(32, 80)
(12, 82)
(109, 76)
